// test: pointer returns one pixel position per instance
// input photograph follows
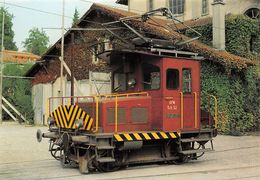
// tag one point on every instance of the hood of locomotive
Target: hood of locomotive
(70, 117)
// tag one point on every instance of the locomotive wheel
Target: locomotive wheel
(108, 167)
(182, 159)
(120, 157)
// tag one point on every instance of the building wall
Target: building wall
(42, 92)
(37, 94)
(193, 8)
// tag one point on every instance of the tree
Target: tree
(75, 16)
(8, 31)
(18, 91)
(37, 42)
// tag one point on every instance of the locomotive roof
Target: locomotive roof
(113, 56)
(224, 58)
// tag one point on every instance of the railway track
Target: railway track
(21, 157)
(16, 170)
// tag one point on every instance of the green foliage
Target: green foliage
(18, 91)
(37, 42)
(238, 101)
(75, 16)
(8, 31)
(238, 94)
(240, 31)
(242, 35)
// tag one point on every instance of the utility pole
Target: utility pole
(1, 65)
(72, 68)
(62, 50)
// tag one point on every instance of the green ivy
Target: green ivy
(238, 93)
(240, 30)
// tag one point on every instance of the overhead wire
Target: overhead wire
(66, 16)
(45, 12)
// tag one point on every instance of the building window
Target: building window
(150, 5)
(172, 79)
(205, 7)
(176, 6)
(151, 76)
(253, 13)
(186, 81)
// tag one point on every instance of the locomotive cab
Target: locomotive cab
(173, 83)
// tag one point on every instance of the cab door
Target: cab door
(187, 100)
(180, 96)
(171, 99)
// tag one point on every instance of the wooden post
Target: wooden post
(72, 68)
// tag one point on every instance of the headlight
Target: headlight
(79, 123)
(51, 121)
(131, 83)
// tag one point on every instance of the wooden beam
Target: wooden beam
(14, 109)
(9, 113)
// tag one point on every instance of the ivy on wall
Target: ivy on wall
(238, 93)
(242, 35)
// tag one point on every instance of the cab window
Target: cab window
(151, 76)
(119, 82)
(172, 79)
(186, 81)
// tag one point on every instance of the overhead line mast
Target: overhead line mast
(1, 67)
(62, 50)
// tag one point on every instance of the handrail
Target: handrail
(96, 129)
(96, 102)
(122, 95)
(181, 93)
(49, 105)
(116, 96)
(215, 109)
(116, 113)
(196, 109)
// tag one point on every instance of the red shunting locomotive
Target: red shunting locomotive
(152, 115)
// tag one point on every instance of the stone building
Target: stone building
(193, 9)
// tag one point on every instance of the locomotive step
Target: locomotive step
(105, 159)
(196, 151)
(105, 147)
(195, 139)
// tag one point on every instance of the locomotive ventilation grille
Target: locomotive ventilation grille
(66, 117)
